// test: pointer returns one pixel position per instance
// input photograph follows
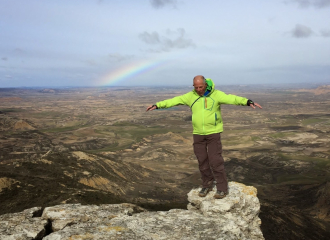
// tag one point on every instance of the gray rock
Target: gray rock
(23, 225)
(70, 214)
(240, 208)
(234, 217)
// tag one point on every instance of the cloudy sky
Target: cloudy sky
(163, 42)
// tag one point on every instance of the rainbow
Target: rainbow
(125, 72)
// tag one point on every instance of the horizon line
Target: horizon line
(156, 86)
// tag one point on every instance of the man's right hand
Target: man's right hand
(255, 104)
(151, 107)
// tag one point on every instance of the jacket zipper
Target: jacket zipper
(203, 117)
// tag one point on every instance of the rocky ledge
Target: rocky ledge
(234, 217)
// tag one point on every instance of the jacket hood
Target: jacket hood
(210, 85)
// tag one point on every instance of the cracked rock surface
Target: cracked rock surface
(234, 217)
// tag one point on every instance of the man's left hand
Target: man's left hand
(151, 107)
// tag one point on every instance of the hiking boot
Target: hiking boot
(220, 194)
(204, 192)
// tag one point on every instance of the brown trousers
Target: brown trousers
(208, 150)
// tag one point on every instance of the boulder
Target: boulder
(233, 217)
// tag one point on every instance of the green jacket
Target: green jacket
(206, 111)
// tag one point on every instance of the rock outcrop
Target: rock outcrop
(234, 217)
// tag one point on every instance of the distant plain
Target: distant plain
(99, 145)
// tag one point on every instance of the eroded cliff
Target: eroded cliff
(234, 217)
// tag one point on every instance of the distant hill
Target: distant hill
(10, 99)
(318, 91)
(8, 123)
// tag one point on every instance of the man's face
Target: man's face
(200, 87)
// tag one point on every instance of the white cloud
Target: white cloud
(301, 31)
(171, 40)
(150, 38)
(315, 3)
(117, 57)
(162, 3)
(325, 33)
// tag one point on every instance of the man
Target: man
(205, 103)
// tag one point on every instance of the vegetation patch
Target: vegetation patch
(64, 129)
(282, 134)
(302, 179)
(127, 134)
(11, 110)
(246, 140)
(255, 138)
(287, 127)
(313, 121)
(50, 114)
(319, 163)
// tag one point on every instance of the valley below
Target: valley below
(100, 146)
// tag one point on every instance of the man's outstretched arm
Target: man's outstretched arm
(151, 107)
(179, 100)
(253, 104)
